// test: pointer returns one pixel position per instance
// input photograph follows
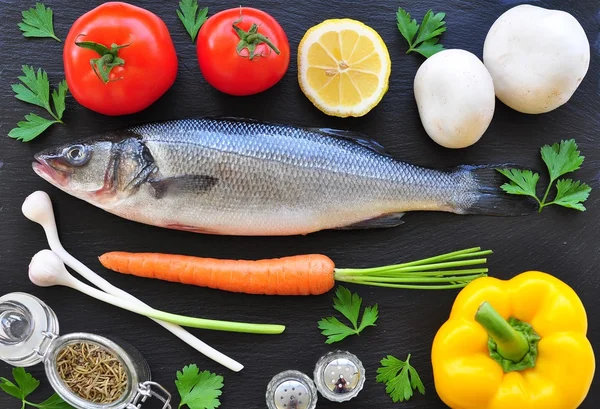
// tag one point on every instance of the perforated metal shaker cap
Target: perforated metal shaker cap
(339, 376)
(291, 390)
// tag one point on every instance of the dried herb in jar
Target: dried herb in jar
(92, 372)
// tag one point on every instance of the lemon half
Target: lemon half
(343, 67)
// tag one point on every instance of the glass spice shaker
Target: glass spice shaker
(291, 390)
(29, 334)
(339, 376)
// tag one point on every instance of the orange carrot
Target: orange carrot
(309, 274)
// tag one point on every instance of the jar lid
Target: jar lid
(27, 327)
(291, 390)
(339, 376)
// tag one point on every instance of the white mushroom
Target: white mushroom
(537, 58)
(455, 97)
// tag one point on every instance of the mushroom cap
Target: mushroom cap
(455, 97)
(537, 58)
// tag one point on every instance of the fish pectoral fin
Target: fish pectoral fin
(182, 184)
(380, 222)
(141, 177)
(356, 137)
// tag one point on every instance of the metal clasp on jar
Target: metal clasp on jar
(145, 391)
(45, 344)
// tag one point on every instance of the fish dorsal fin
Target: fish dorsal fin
(234, 119)
(357, 137)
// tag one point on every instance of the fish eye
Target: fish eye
(77, 155)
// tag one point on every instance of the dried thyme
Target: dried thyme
(92, 372)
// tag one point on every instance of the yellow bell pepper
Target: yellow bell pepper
(516, 344)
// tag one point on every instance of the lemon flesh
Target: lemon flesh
(343, 67)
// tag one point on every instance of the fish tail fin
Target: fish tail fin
(486, 197)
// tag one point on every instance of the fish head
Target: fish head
(101, 171)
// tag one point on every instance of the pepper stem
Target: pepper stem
(512, 343)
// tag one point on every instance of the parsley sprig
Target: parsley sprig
(198, 390)
(25, 384)
(35, 89)
(400, 378)
(349, 305)
(37, 22)
(190, 17)
(560, 159)
(422, 38)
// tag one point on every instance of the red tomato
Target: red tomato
(256, 66)
(144, 63)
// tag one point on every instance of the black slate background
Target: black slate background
(561, 242)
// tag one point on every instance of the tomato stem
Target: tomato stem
(109, 58)
(250, 39)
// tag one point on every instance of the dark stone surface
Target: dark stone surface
(561, 242)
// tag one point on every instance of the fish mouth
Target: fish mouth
(44, 169)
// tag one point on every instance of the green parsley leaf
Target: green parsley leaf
(29, 129)
(408, 26)
(349, 305)
(35, 89)
(26, 382)
(432, 26)
(37, 22)
(523, 182)
(58, 98)
(198, 390)
(400, 377)
(25, 385)
(189, 16)
(369, 317)
(54, 402)
(426, 41)
(10, 388)
(560, 159)
(571, 194)
(429, 47)
(334, 330)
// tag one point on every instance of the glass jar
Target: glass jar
(29, 335)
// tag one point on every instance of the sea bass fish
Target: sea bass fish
(240, 177)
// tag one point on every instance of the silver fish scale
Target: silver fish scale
(276, 180)
(285, 144)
